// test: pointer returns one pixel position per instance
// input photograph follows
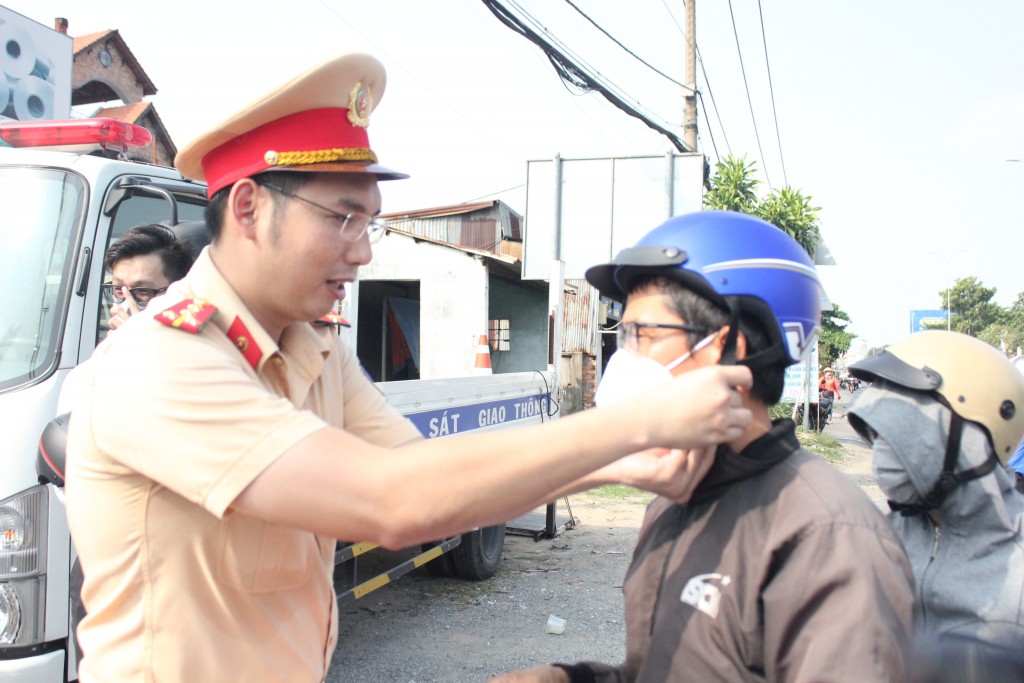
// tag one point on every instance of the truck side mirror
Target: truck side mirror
(52, 453)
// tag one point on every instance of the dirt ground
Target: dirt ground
(427, 630)
(424, 629)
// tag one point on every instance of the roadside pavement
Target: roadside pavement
(857, 463)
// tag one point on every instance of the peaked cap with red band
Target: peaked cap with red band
(315, 122)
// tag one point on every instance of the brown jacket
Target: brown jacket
(780, 569)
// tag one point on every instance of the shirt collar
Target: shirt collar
(205, 282)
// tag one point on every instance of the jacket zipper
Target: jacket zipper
(936, 537)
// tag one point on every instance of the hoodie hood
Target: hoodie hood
(915, 425)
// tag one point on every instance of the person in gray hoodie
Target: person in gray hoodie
(944, 413)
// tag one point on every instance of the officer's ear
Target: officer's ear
(245, 203)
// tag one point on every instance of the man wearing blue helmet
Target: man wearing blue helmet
(776, 567)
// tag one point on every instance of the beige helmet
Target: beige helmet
(976, 381)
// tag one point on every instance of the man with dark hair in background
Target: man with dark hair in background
(142, 263)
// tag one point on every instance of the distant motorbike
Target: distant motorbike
(821, 412)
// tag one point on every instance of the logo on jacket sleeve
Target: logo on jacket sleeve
(703, 592)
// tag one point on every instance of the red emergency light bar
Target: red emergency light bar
(105, 132)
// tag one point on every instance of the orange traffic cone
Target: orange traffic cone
(482, 366)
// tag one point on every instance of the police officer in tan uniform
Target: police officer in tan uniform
(228, 442)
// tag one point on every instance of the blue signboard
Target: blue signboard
(459, 419)
(920, 318)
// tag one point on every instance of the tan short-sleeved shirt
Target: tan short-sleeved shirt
(177, 586)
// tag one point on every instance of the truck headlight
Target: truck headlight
(23, 520)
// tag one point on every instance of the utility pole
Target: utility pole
(690, 98)
(949, 311)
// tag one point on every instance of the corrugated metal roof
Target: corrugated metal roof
(450, 210)
(469, 250)
(488, 226)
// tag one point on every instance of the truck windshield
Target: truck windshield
(42, 209)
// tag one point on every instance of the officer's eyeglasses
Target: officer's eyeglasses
(627, 335)
(112, 293)
(353, 225)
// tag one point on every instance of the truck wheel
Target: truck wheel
(441, 567)
(478, 555)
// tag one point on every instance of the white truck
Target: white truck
(65, 195)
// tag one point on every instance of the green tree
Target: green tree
(1015, 314)
(834, 340)
(791, 211)
(971, 306)
(1003, 337)
(732, 186)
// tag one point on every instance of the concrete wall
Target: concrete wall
(527, 313)
(453, 300)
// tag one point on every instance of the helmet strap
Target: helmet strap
(729, 349)
(761, 359)
(948, 480)
(773, 355)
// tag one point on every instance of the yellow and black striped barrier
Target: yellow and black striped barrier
(349, 553)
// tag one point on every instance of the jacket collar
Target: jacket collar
(760, 455)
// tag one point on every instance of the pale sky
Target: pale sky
(897, 118)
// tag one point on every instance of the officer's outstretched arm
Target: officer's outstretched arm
(333, 483)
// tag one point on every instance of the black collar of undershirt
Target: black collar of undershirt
(760, 455)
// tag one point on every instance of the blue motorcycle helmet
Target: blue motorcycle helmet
(745, 265)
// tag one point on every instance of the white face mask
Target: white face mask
(629, 375)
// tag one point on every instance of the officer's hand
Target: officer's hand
(538, 674)
(699, 408)
(119, 313)
(672, 473)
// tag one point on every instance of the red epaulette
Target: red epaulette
(332, 319)
(190, 315)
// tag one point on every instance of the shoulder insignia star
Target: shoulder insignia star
(190, 315)
(332, 319)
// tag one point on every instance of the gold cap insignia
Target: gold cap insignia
(359, 105)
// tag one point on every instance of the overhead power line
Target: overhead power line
(710, 134)
(685, 87)
(574, 74)
(631, 53)
(707, 82)
(456, 110)
(718, 114)
(771, 89)
(491, 194)
(749, 101)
